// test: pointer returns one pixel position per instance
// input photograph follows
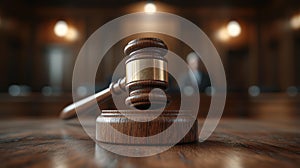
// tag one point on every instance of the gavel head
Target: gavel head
(146, 70)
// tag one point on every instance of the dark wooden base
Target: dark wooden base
(150, 128)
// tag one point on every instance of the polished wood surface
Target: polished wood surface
(235, 143)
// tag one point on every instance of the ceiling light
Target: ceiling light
(234, 29)
(295, 21)
(222, 34)
(150, 8)
(61, 28)
(72, 34)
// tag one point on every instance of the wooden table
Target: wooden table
(235, 143)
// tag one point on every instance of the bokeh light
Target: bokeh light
(234, 29)
(150, 8)
(61, 28)
(292, 91)
(222, 34)
(82, 91)
(14, 90)
(254, 91)
(72, 34)
(295, 22)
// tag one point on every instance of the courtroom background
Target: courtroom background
(262, 62)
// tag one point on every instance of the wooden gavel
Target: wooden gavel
(146, 69)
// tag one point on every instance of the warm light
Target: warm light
(234, 29)
(150, 8)
(223, 34)
(295, 21)
(72, 34)
(61, 28)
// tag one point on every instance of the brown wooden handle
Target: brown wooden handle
(70, 111)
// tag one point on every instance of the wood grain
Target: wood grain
(235, 143)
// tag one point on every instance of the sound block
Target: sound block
(146, 127)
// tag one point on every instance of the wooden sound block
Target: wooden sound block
(153, 123)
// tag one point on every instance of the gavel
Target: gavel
(146, 82)
(146, 69)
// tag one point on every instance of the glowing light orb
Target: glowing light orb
(61, 28)
(234, 29)
(150, 8)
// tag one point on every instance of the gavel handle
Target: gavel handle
(69, 112)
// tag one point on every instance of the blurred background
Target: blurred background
(258, 41)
